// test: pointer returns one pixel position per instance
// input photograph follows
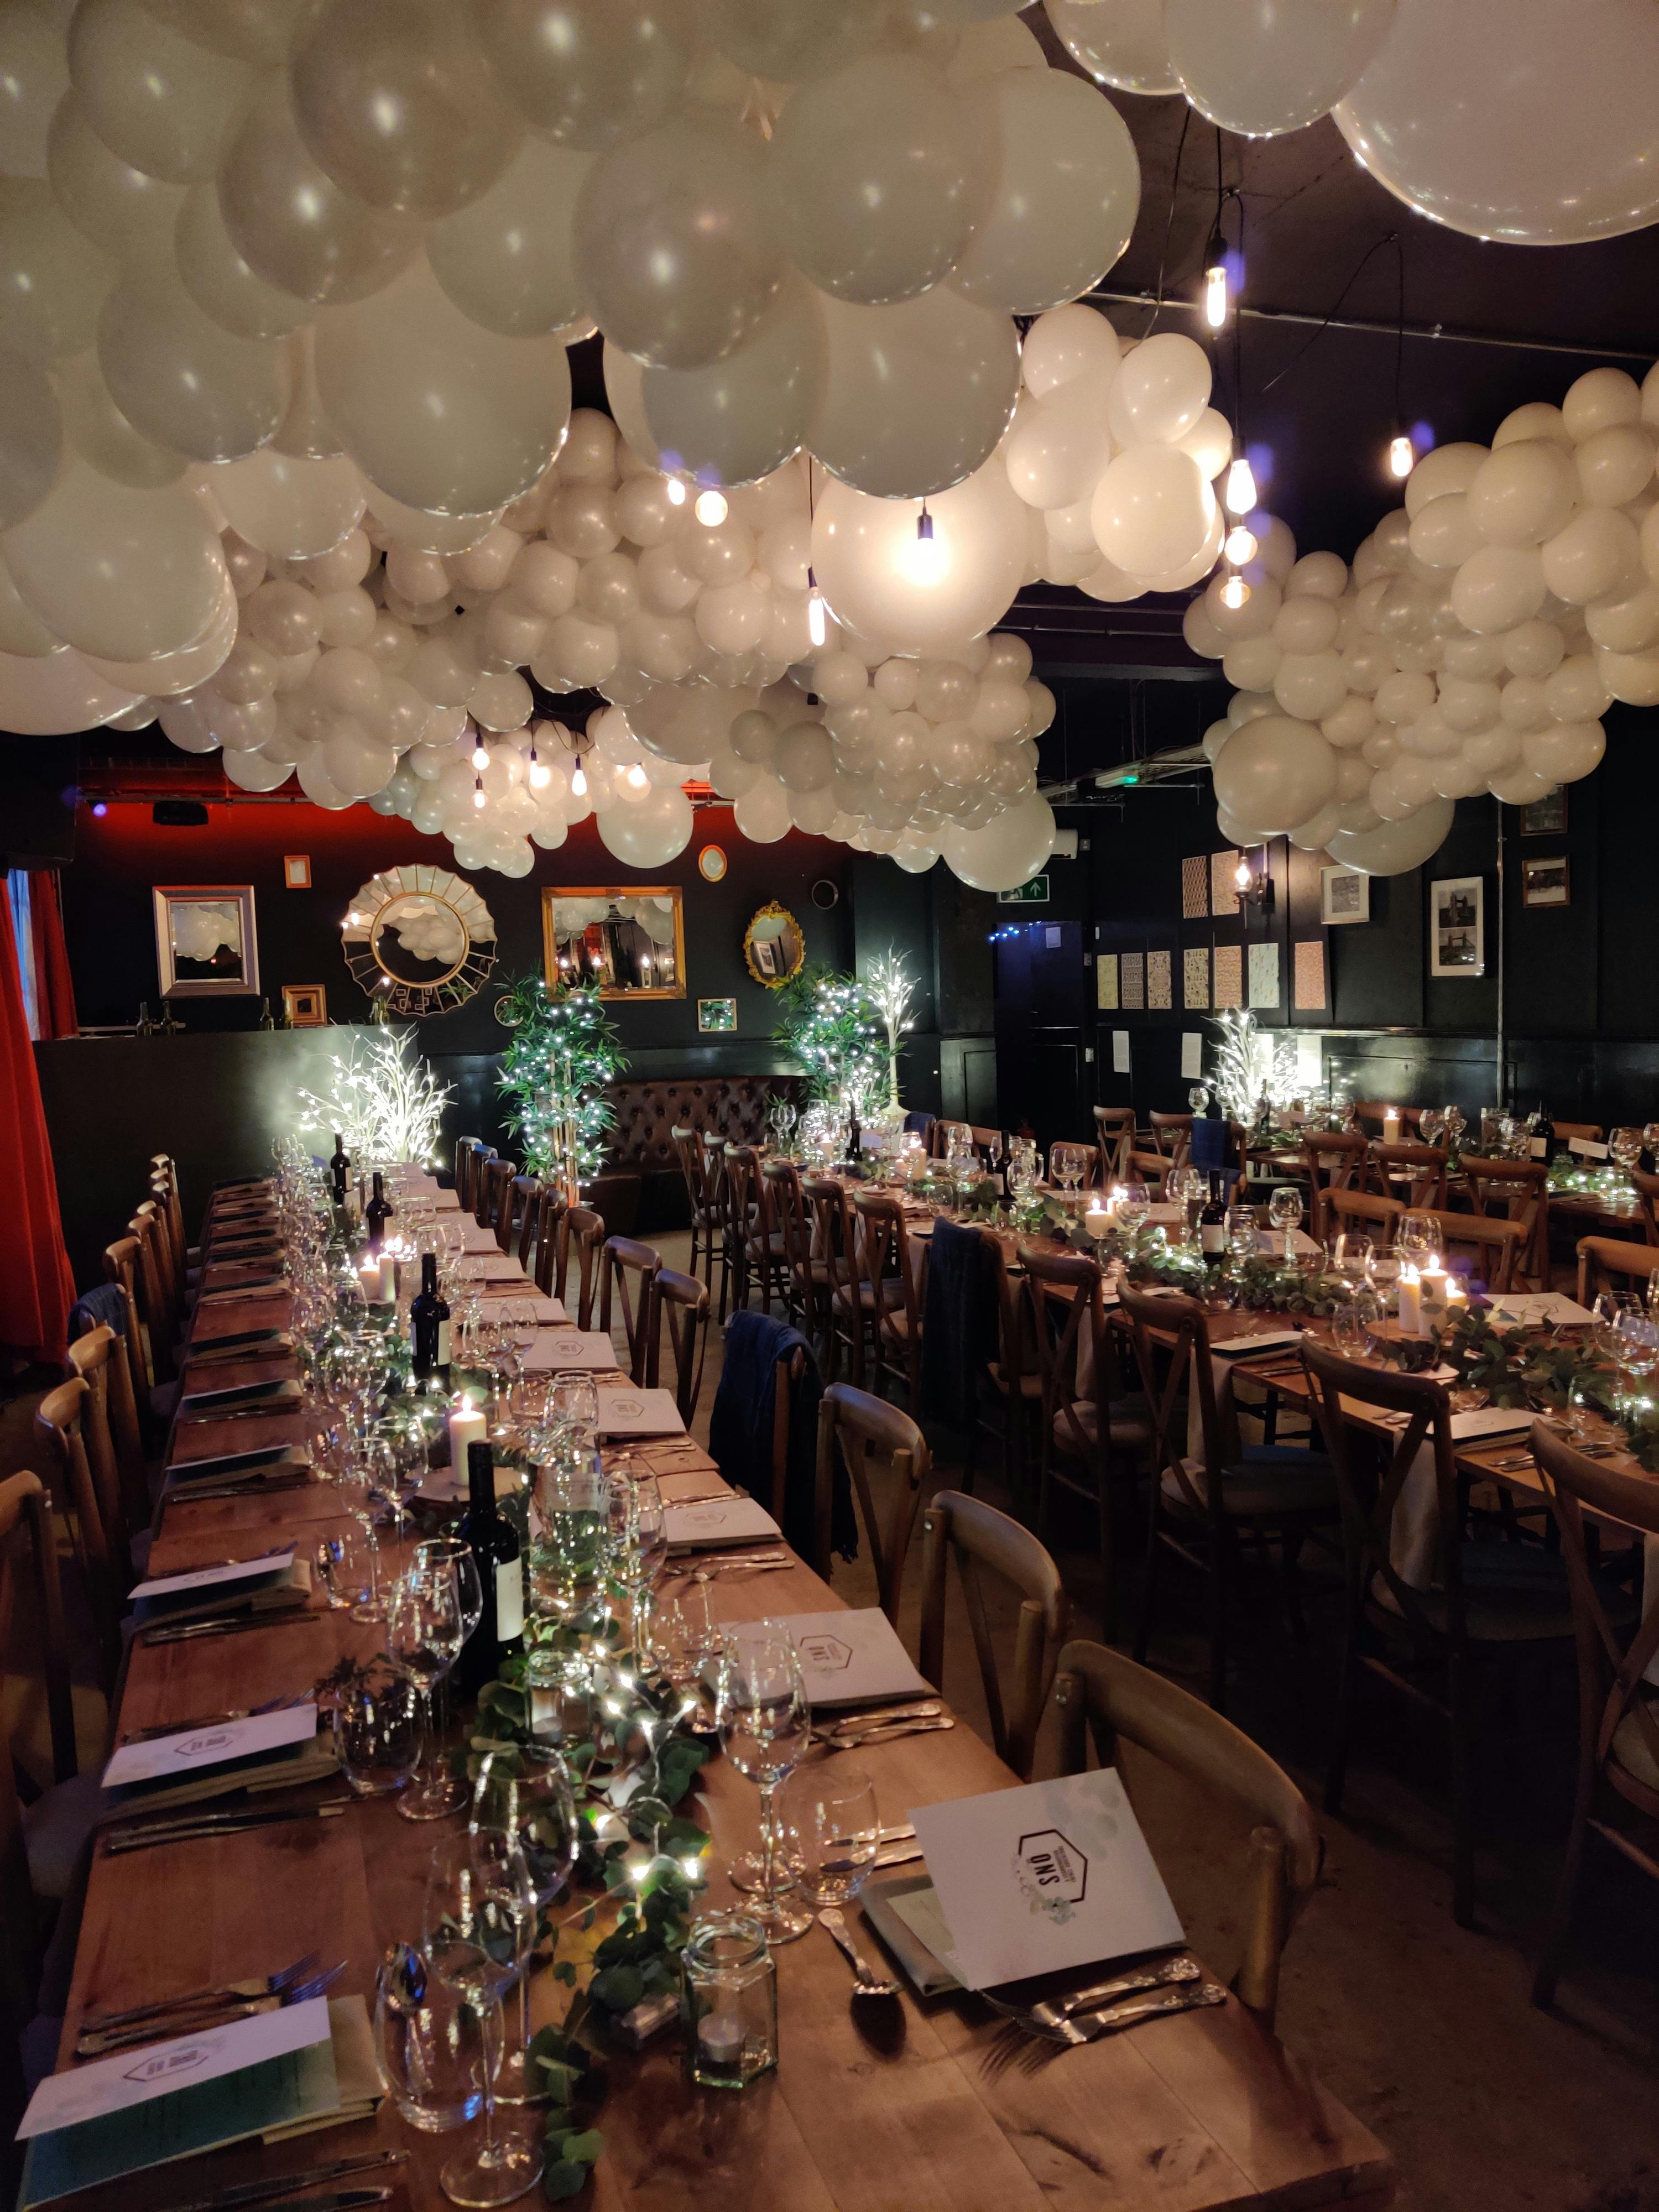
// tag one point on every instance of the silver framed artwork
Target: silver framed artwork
(205, 944)
(1457, 940)
(1345, 895)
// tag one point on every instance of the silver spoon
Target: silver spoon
(866, 1983)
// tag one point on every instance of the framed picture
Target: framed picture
(717, 1013)
(205, 946)
(305, 1005)
(296, 872)
(1546, 817)
(765, 953)
(1544, 883)
(625, 941)
(1457, 941)
(711, 863)
(1345, 895)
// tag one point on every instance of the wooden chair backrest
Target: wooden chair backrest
(1591, 1132)
(1334, 1159)
(978, 1536)
(164, 1170)
(469, 1152)
(58, 1423)
(1339, 1210)
(1424, 1165)
(868, 1428)
(114, 1446)
(495, 1185)
(1014, 1353)
(26, 1526)
(715, 1181)
(579, 1225)
(151, 1293)
(1171, 1338)
(1103, 1693)
(1364, 1111)
(1171, 1133)
(1065, 1308)
(1647, 1201)
(1497, 1246)
(523, 1214)
(169, 1255)
(679, 1308)
(1611, 1665)
(549, 1249)
(789, 1211)
(689, 1148)
(787, 1378)
(988, 1143)
(121, 1268)
(626, 1258)
(884, 1253)
(834, 1240)
(1114, 1133)
(1607, 1263)
(1368, 1502)
(1150, 1168)
(1515, 1190)
(749, 1200)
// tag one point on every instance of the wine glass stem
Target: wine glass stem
(428, 1746)
(769, 1840)
(490, 2037)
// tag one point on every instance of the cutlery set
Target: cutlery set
(1163, 1986)
(215, 1720)
(159, 2024)
(282, 2185)
(198, 1827)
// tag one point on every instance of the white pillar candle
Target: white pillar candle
(1455, 1293)
(1097, 1221)
(1433, 1285)
(467, 1425)
(388, 1279)
(1390, 1125)
(1411, 1303)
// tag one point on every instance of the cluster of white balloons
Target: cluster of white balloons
(1483, 631)
(1532, 120)
(431, 929)
(199, 928)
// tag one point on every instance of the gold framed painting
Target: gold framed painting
(305, 1005)
(624, 941)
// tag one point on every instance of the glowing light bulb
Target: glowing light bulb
(636, 779)
(1240, 545)
(577, 783)
(1239, 497)
(711, 509)
(540, 774)
(478, 798)
(818, 624)
(925, 560)
(1215, 291)
(481, 757)
(1234, 592)
(1242, 875)
(1403, 457)
(676, 492)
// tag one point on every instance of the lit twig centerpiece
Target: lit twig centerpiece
(1250, 1065)
(890, 985)
(385, 1100)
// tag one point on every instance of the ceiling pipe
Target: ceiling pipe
(1153, 768)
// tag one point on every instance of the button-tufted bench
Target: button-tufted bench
(642, 1146)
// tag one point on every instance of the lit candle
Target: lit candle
(1391, 1125)
(1116, 1193)
(369, 1271)
(1411, 1303)
(467, 1425)
(720, 2035)
(388, 1279)
(1097, 1221)
(1455, 1293)
(1433, 1285)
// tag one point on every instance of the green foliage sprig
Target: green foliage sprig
(564, 1052)
(834, 1026)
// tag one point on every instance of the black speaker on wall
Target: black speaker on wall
(38, 798)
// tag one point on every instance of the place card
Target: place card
(1586, 1148)
(718, 1520)
(1491, 1421)
(1272, 1241)
(222, 1577)
(1236, 1347)
(490, 1268)
(1052, 1875)
(280, 1584)
(626, 1412)
(166, 1756)
(554, 1348)
(478, 1239)
(852, 1658)
(1513, 1306)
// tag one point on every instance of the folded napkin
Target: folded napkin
(1237, 1347)
(219, 1465)
(277, 1392)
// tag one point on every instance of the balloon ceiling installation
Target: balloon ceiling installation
(1484, 630)
(1532, 120)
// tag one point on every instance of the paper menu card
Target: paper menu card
(191, 1749)
(557, 1348)
(1538, 1306)
(1491, 1421)
(477, 1239)
(851, 1657)
(1053, 1874)
(732, 1520)
(490, 1268)
(625, 1412)
(240, 1570)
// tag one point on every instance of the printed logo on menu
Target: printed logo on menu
(161, 2065)
(1052, 1874)
(825, 1654)
(200, 1747)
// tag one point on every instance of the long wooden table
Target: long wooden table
(954, 2113)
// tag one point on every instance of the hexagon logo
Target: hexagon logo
(1052, 1871)
(825, 1654)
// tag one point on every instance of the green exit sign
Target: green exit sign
(1035, 893)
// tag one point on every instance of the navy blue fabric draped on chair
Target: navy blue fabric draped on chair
(740, 1430)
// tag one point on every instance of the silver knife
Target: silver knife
(1156, 1976)
(889, 1734)
(1184, 1997)
(261, 2192)
(918, 1709)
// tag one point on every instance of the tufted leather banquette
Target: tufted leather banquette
(641, 1144)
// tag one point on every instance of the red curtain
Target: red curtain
(36, 1287)
(54, 993)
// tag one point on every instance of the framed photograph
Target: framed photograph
(1546, 817)
(1457, 940)
(205, 946)
(717, 1013)
(625, 941)
(296, 872)
(765, 953)
(1345, 895)
(1545, 883)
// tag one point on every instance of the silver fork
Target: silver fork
(96, 2043)
(1180, 1996)
(1049, 2012)
(261, 1986)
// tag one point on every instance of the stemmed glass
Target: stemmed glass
(1639, 1349)
(426, 1627)
(357, 1486)
(1198, 1098)
(570, 1554)
(1284, 1211)
(684, 1636)
(639, 1541)
(479, 1903)
(1068, 1165)
(762, 1714)
(524, 1805)
(1626, 1147)
(572, 1396)
(1242, 1232)
(1432, 1120)
(1133, 1204)
(1416, 1239)
(1351, 1256)
(436, 1790)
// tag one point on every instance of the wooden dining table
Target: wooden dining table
(948, 2109)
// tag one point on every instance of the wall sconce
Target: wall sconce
(1254, 887)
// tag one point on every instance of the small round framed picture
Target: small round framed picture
(711, 863)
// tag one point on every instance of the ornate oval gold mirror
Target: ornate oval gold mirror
(419, 940)
(773, 946)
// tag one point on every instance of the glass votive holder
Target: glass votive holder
(377, 1734)
(728, 2002)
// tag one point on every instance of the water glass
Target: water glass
(1352, 1324)
(1418, 1238)
(1284, 1211)
(377, 1732)
(429, 2042)
(570, 1559)
(1241, 1232)
(830, 1830)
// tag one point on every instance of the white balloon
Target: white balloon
(1261, 67)
(915, 595)
(1276, 772)
(1395, 847)
(1005, 853)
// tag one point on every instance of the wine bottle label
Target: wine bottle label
(1539, 1148)
(443, 1344)
(1212, 1237)
(509, 1600)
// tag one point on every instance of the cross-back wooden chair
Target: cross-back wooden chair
(1588, 1131)
(169, 1251)
(626, 1272)
(1422, 1166)
(1647, 1201)
(1151, 1168)
(1442, 1609)
(891, 1290)
(121, 1268)
(28, 1554)
(1115, 1134)
(164, 1181)
(1617, 1708)
(1515, 1190)
(939, 1136)
(980, 1539)
(1171, 1135)
(114, 1445)
(582, 1231)
(94, 1520)
(1204, 1503)
(758, 1241)
(834, 1240)
(1015, 1412)
(808, 1276)
(868, 1431)
(1090, 1436)
(1609, 1263)
(470, 1153)
(1341, 1211)
(516, 1232)
(1494, 1247)
(494, 1188)
(1332, 1159)
(708, 1229)
(1371, 1114)
(550, 1256)
(153, 1307)
(1103, 1694)
(679, 1310)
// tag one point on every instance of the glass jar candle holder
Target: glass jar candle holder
(729, 2001)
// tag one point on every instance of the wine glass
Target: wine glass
(1432, 1122)
(1068, 1165)
(357, 1488)
(524, 1803)
(1416, 1238)
(428, 2041)
(1242, 1232)
(762, 1713)
(639, 1540)
(1351, 1323)
(426, 1627)
(684, 1636)
(1133, 1204)
(1352, 1252)
(1284, 1211)
(829, 1816)
(572, 1396)
(570, 1554)
(1198, 1098)
(459, 1554)
(1626, 1147)
(479, 1905)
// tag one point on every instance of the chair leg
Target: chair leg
(1566, 1889)
(1149, 1592)
(1290, 1552)
(1219, 1621)
(1462, 1810)
(1336, 1773)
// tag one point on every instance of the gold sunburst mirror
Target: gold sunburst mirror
(419, 939)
